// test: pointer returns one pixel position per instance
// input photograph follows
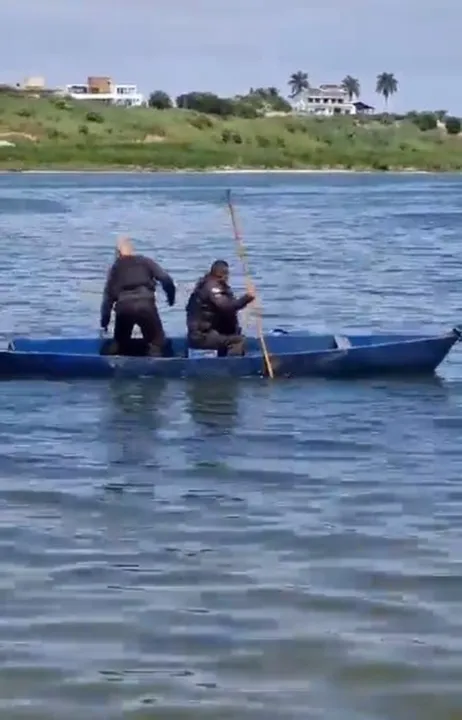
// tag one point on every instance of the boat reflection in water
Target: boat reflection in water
(214, 404)
(130, 425)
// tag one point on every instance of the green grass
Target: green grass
(52, 133)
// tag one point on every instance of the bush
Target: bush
(83, 130)
(267, 99)
(61, 104)
(228, 136)
(294, 126)
(160, 100)
(201, 122)
(24, 112)
(245, 110)
(425, 121)
(262, 141)
(452, 125)
(94, 117)
(380, 165)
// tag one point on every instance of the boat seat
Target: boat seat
(342, 342)
(200, 353)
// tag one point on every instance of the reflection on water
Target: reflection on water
(214, 404)
(130, 426)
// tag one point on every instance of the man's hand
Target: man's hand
(249, 298)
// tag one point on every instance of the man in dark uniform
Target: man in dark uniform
(212, 313)
(130, 286)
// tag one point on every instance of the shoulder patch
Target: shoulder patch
(215, 291)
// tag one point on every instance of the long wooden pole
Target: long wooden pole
(250, 285)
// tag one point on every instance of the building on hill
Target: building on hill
(327, 100)
(35, 82)
(104, 90)
(363, 108)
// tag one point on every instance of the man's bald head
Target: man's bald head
(124, 247)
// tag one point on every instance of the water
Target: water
(238, 551)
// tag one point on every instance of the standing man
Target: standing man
(131, 287)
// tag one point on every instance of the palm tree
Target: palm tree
(387, 85)
(352, 87)
(298, 82)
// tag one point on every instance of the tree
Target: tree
(352, 87)
(160, 100)
(441, 114)
(205, 102)
(266, 100)
(298, 82)
(452, 125)
(387, 85)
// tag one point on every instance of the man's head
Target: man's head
(124, 247)
(220, 270)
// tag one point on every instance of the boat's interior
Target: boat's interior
(174, 347)
(277, 343)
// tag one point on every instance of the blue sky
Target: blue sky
(229, 45)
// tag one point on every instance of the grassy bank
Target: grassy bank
(53, 133)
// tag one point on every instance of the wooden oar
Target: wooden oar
(250, 285)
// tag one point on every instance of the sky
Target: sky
(227, 46)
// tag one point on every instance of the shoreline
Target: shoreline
(226, 171)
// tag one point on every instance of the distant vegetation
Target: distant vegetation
(200, 130)
(255, 103)
(264, 100)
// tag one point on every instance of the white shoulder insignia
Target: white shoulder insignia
(215, 291)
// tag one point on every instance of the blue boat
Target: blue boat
(293, 354)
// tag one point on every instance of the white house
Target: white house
(324, 100)
(102, 89)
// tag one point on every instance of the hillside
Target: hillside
(57, 133)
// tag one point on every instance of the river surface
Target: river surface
(239, 550)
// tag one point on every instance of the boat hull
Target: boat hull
(293, 354)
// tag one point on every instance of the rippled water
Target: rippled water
(237, 551)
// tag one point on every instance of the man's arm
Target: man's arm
(226, 304)
(168, 286)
